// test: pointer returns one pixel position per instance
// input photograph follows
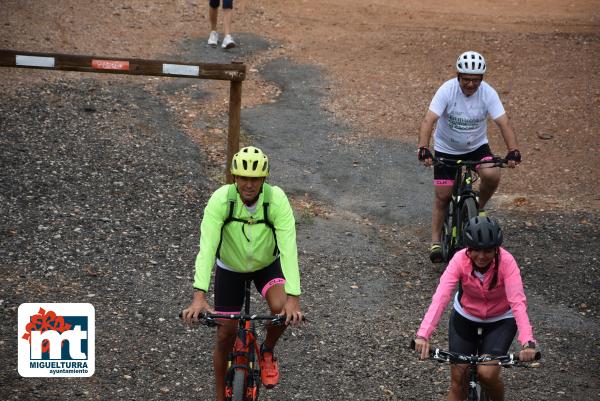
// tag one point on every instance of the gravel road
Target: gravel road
(101, 201)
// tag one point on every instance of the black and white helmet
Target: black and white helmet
(482, 233)
(470, 63)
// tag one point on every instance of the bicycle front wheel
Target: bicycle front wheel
(483, 395)
(447, 240)
(239, 385)
(468, 210)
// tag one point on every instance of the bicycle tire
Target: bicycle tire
(239, 386)
(447, 239)
(468, 210)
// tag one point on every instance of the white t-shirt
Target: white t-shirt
(462, 126)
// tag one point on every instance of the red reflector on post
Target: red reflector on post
(110, 65)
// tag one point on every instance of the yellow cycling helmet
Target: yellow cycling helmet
(250, 162)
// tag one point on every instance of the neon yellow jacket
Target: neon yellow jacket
(252, 249)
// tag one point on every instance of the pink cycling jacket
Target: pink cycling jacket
(477, 299)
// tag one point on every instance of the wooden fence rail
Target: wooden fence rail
(234, 72)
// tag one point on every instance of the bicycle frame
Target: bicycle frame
(461, 191)
(242, 378)
(243, 357)
(464, 202)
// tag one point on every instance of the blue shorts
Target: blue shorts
(230, 290)
(215, 3)
(495, 339)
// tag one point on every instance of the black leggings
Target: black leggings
(495, 337)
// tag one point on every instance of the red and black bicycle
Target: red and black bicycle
(242, 380)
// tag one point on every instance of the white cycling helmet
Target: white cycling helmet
(470, 63)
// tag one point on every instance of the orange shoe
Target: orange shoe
(269, 369)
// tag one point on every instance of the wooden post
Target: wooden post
(233, 136)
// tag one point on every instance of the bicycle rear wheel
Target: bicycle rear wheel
(239, 385)
(468, 210)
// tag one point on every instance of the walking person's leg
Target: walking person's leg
(227, 13)
(213, 13)
(228, 41)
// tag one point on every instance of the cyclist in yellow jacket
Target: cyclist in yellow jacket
(249, 232)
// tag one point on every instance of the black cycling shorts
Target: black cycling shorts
(444, 175)
(215, 3)
(496, 336)
(229, 286)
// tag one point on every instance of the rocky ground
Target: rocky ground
(104, 178)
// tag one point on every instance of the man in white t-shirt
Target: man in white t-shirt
(460, 107)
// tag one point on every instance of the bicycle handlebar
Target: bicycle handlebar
(495, 161)
(455, 357)
(211, 319)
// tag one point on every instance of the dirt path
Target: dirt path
(334, 94)
(382, 62)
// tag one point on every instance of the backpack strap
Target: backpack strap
(267, 192)
(232, 196)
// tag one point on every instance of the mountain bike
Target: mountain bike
(464, 203)
(242, 379)
(476, 391)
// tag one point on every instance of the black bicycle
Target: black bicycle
(476, 391)
(242, 380)
(464, 203)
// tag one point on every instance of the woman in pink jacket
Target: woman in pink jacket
(490, 296)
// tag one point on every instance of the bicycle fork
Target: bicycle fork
(473, 380)
(244, 359)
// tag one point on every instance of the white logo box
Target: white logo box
(43, 327)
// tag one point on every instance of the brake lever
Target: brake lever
(276, 321)
(209, 321)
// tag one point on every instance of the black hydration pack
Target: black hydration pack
(232, 198)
